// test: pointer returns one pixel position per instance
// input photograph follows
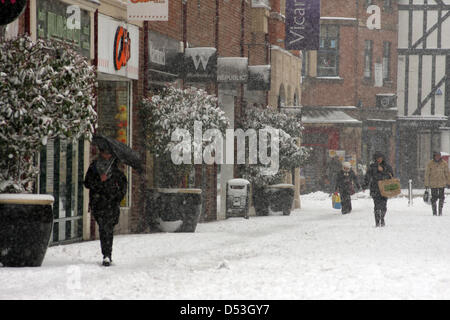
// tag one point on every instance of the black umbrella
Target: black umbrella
(120, 150)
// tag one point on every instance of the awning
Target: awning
(327, 116)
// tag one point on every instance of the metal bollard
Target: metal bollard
(410, 195)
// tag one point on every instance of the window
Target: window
(369, 2)
(386, 60)
(328, 54)
(368, 48)
(387, 4)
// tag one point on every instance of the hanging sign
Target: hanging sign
(148, 10)
(302, 24)
(10, 10)
(200, 64)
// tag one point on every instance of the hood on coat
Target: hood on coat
(377, 155)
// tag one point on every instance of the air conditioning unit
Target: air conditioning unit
(386, 101)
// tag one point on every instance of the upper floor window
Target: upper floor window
(386, 60)
(328, 53)
(368, 52)
(387, 4)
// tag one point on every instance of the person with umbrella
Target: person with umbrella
(107, 186)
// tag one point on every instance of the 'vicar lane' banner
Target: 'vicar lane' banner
(148, 10)
(302, 24)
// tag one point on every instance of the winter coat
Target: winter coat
(105, 197)
(373, 176)
(436, 174)
(346, 182)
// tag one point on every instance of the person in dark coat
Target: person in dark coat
(346, 182)
(378, 170)
(107, 186)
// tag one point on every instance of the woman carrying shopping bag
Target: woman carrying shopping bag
(346, 182)
(377, 171)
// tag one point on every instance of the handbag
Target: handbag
(427, 197)
(389, 188)
(336, 201)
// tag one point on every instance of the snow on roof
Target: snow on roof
(327, 116)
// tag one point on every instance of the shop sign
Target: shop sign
(200, 64)
(10, 10)
(54, 20)
(165, 57)
(118, 48)
(302, 24)
(259, 77)
(148, 10)
(232, 69)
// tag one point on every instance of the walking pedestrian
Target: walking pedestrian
(346, 182)
(437, 178)
(107, 186)
(378, 170)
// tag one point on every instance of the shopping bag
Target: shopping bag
(389, 188)
(427, 197)
(336, 201)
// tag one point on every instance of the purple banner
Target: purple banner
(302, 24)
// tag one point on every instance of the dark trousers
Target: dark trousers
(106, 223)
(380, 208)
(437, 194)
(346, 203)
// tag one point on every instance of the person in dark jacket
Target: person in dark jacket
(346, 182)
(107, 186)
(378, 170)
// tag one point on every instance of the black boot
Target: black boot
(377, 218)
(382, 214)
(433, 206)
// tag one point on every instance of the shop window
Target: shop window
(328, 53)
(114, 116)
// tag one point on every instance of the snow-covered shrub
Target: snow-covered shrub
(46, 91)
(290, 154)
(174, 109)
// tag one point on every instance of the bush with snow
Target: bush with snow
(173, 109)
(290, 154)
(46, 91)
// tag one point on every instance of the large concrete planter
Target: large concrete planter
(173, 210)
(26, 222)
(277, 197)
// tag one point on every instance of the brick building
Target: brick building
(349, 86)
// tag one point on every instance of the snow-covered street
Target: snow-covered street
(315, 253)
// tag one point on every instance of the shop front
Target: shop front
(334, 137)
(118, 65)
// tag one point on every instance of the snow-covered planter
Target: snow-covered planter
(291, 155)
(46, 91)
(162, 115)
(26, 222)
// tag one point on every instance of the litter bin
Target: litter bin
(281, 197)
(237, 198)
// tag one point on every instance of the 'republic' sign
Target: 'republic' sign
(302, 24)
(10, 10)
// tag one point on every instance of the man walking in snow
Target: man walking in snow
(437, 177)
(378, 170)
(107, 186)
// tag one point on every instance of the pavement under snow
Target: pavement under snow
(315, 253)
